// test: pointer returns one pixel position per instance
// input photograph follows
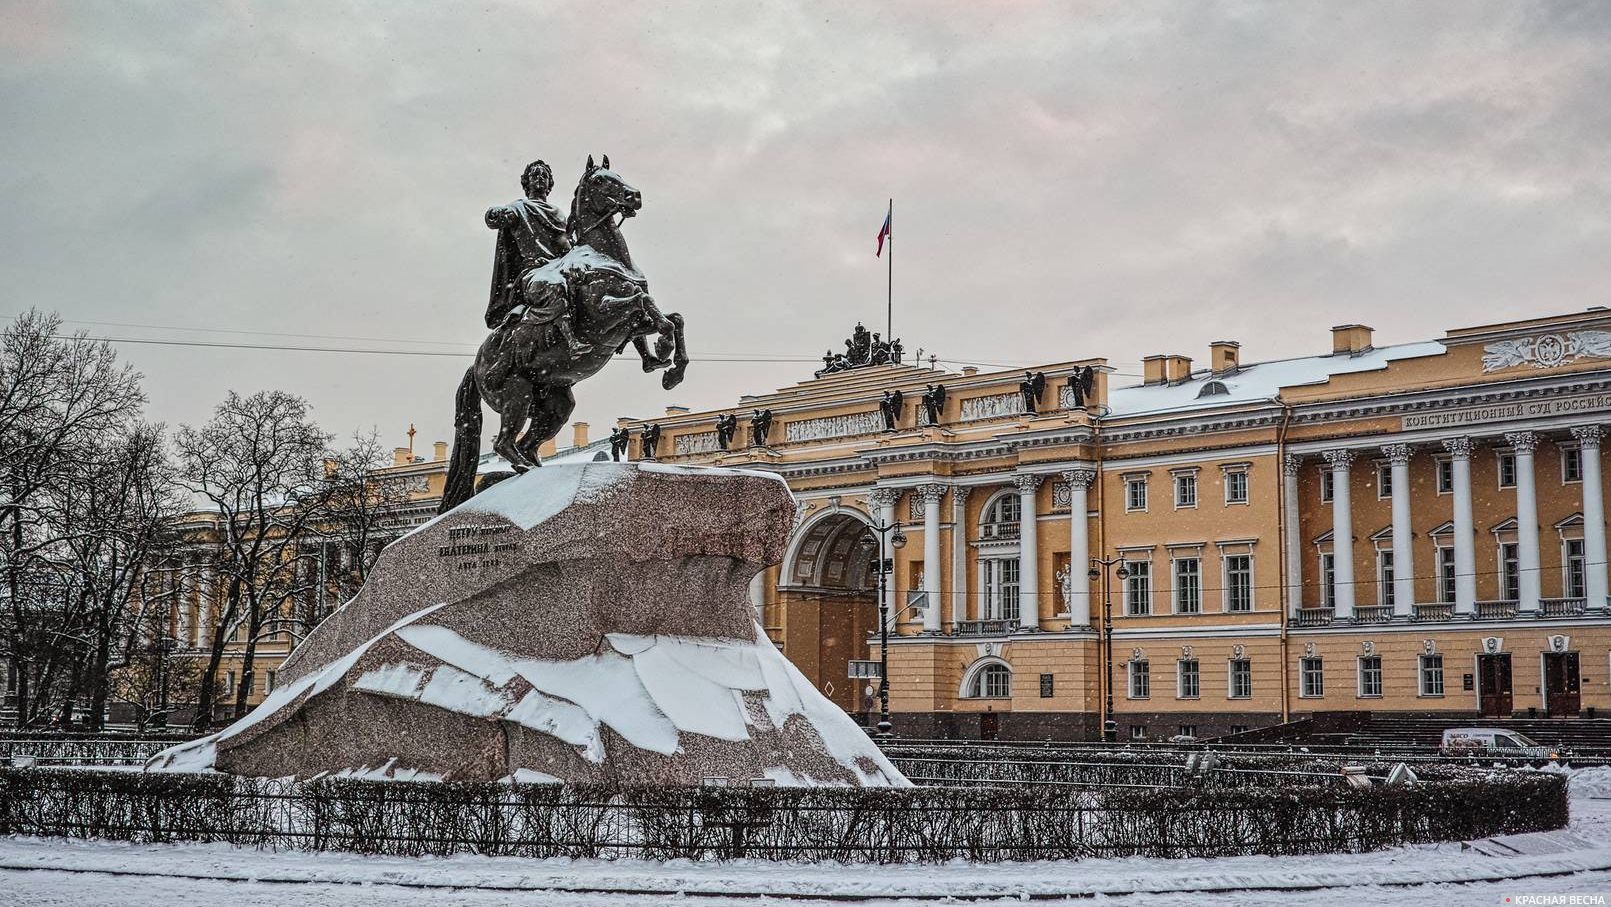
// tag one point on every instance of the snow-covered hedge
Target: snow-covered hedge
(905, 825)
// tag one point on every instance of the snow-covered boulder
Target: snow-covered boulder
(577, 623)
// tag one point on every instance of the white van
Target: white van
(1490, 741)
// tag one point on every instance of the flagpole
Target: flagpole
(889, 281)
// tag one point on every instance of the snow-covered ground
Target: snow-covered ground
(1576, 860)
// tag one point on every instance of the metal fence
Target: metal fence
(904, 825)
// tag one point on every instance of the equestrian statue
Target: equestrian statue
(565, 298)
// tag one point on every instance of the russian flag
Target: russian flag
(883, 233)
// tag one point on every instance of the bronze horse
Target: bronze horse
(525, 374)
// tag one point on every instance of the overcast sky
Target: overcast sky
(1069, 180)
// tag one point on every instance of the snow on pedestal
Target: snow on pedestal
(577, 623)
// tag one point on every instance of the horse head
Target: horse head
(600, 195)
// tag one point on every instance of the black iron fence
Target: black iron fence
(906, 825)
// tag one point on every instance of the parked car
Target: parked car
(1491, 741)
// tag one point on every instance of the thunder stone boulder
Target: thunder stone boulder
(577, 623)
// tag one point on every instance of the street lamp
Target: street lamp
(884, 566)
(1110, 727)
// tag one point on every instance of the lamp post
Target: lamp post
(884, 566)
(1099, 565)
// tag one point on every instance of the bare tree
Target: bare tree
(60, 397)
(259, 464)
(363, 513)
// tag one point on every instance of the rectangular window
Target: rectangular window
(1236, 488)
(1140, 680)
(1241, 685)
(1138, 732)
(1312, 678)
(229, 683)
(1384, 480)
(1576, 580)
(1370, 675)
(1188, 679)
(1328, 579)
(1384, 573)
(1238, 728)
(1326, 486)
(1238, 583)
(1135, 494)
(1446, 583)
(1046, 686)
(1007, 585)
(1188, 585)
(1509, 571)
(1188, 730)
(1571, 465)
(268, 681)
(1185, 490)
(1507, 470)
(1138, 588)
(1431, 675)
(1445, 477)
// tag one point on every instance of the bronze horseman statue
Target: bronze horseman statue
(565, 298)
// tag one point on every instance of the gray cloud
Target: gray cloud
(1116, 180)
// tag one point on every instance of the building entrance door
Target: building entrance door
(1493, 685)
(989, 725)
(1562, 694)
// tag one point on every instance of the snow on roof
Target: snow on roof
(1258, 381)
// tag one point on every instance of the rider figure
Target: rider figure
(531, 233)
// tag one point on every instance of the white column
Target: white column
(1079, 545)
(1403, 551)
(1342, 533)
(1588, 439)
(1465, 555)
(931, 496)
(1028, 554)
(1524, 443)
(959, 554)
(883, 501)
(758, 596)
(1292, 538)
(204, 604)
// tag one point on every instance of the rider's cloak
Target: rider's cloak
(530, 233)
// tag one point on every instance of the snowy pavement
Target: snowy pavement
(1575, 860)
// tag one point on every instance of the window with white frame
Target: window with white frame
(1140, 679)
(1446, 581)
(1575, 564)
(1327, 486)
(1384, 481)
(1238, 583)
(268, 681)
(1188, 730)
(1328, 579)
(1188, 679)
(1370, 676)
(1509, 571)
(1241, 679)
(1571, 465)
(993, 681)
(1507, 469)
(1138, 732)
(1432, 675)
(1000, 517)
(1384, 578)
(1138, 588)
(1188, 585)
(1135, 493)
(998, 579)
(1311, 677)
(1445, 475)
(1185, 490)
(1236, 486)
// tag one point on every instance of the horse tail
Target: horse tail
(466, 444)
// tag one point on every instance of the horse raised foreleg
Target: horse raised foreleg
(651, 361)
(679, 354)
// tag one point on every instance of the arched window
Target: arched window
(993, 681)
(1213, 389)
(1000, 516)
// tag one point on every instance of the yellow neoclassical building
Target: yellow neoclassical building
(1414, 528)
